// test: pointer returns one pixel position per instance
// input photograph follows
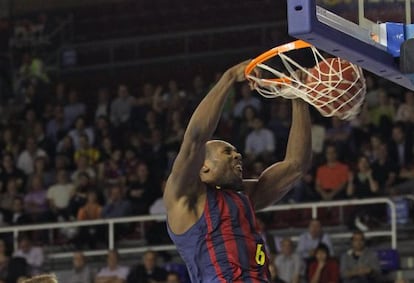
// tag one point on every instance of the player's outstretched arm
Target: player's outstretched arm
(275, 181)
(184, 180)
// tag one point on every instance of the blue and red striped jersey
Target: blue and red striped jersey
(223, 245)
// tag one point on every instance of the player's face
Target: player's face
(226, 166)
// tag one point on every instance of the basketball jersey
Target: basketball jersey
(223, 245)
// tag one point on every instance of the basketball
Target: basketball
(336, 87)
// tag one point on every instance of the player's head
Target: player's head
(222, 165)
(44, 278)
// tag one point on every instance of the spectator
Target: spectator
(8, 141)
(42, 278)
(113, 272)
(73, 109)
(82, 167)
(4, 261)
(400, 147)
(103, 128)
(34, 255)
(173, 277)
(103, 107)
(148, 271)
(382, 114)
(272, 243)
(131, 161)
(58, 126)
(18, 215)
(142, 191)
(308, 241)
(105, 149)
(359, 264)
(157, 155)
(323, 269)
(405, 112)
(331, 178)
(362, 184)
(78, 199)
(25, 162)
(116, 205)
(260, 143)
(245, 125)
(81, 273)
(85, 149)
(288, 263)
(81, 130)
(35, 201)
(274, 274)
(110, 172)
(339, 133)
(385, 170)
(10, 171)
(66, 148)
(121, 106)
(40, 169)
(92, 210)
(246, 99)
(59, 196)
(7, 198)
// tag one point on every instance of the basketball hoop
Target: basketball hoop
(333, 86)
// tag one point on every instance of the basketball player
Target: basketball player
(44, 278)
(210, 209)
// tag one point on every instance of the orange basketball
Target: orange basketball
(335, 87)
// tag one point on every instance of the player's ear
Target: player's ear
(205, 169)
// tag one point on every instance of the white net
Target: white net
(335, 87)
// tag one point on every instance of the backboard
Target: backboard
(350, 29)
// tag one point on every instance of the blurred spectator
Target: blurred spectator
(339, 133)
(10, 171)
(362, 184)
(58, 126)
(274, 274)
(34, 255)
(288, 263)
(110, 172)
(80, 130)
(116, 205)
(359, 264)
(73, 108)
(25, 161)
(260, 143)
(157, 156)
(331, 178)
(92, 210)
(40, 164)
(103, 129)
(308, 241)
(66, 148)
(59, 195)
(318, 132)
(173, 277)
(103, 107)
(323, 269)
(32, 69)
(35, 201)
(405, 112)
(113, 272)
(244, 126)
(400, 147)
(79, 196)
(383, 113)
(8, 141)
(279, 123)
(385, 170)
(148, 271)
(246, 99)
(18, 215)
(121, 106)
(105, 149)
(130, 161)
(85, 149)
(42, 140)
(7, 198)
(142, 190)
(82, 167)
(81, 273)
(4, 261)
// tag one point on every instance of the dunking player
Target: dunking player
(210, 209)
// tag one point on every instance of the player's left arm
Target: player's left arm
(277, 179)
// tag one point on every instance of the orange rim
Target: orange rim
(294, 45)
